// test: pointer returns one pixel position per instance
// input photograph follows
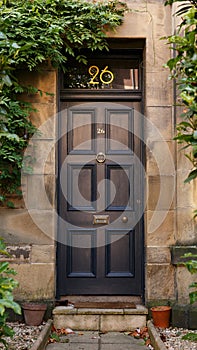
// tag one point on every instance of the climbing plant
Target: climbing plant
(183, 67)
(33, 32)
(7, 286)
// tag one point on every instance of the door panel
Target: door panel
(82, 125)
(120, 252)
(81, 181)
(81, 262)
(119, 189)
(100, 249)
(119, 138)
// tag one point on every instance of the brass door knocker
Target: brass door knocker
(101, 157)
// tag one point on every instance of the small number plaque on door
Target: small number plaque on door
(100, 219)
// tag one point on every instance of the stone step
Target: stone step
(103, 320)
(72, 299)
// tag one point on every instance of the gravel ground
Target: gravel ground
(24, 336)
(172, 338)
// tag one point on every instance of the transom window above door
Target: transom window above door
(113, 70)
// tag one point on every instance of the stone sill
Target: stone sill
(64, 310)
(178, 251)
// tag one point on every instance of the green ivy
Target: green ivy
(33, 32)
(183, 67)
(7, 285)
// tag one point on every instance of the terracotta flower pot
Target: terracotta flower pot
(161, 316)
(33, 313)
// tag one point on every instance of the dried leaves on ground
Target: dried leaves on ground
(57, 333)
(142, 333)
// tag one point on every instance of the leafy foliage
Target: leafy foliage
(52, 29)
(15, 126)
(191, 265)
(7, 285)
(183, 67)
(183, 8)
(190, 336)
(32, 33)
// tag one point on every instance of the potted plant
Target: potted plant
(161, 316)
(34, 312)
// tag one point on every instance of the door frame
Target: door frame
(110, 96)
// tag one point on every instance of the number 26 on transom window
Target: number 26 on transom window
(104, 76)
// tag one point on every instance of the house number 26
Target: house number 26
(106, 76)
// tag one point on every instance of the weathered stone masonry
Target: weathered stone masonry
(34, 252)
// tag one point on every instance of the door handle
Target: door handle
(124, 219)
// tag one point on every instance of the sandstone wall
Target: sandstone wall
(168, 216)
(151, 20)
(29, 229)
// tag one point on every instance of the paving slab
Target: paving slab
(82, 337)
(118, 338)
(96, 341)
(121, 347)
(72, 346)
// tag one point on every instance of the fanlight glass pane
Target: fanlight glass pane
(104, 73)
